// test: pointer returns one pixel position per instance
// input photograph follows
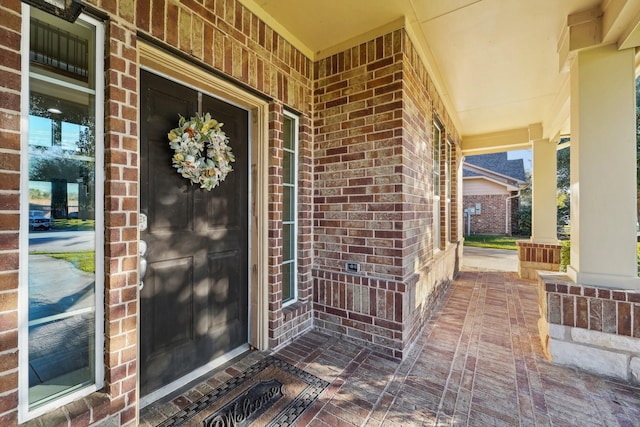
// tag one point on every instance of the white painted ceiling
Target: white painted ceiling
(496, 62)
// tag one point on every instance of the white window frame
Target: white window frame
(24, 412)
(448, 186)
(437, 158)
(294, 222)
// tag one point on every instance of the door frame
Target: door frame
(164, 64)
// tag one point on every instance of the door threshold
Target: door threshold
(191, 377)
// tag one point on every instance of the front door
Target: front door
(194, 302)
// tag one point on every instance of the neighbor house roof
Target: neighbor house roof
(496, 167)
(499, 163)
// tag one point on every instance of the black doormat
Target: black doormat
(269, 393)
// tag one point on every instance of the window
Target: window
(447, 168)
(289, 208)
(61, 289)
(437, 145)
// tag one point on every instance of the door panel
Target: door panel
(194, 302)
(170, 281)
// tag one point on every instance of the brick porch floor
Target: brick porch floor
(478, 362)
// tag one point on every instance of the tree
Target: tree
(564, 182)
(638, 145)
(523, 214)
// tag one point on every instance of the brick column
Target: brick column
(537, 256)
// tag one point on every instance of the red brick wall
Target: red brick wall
(221, 34)
(373, 191)
(121, 221)
(286, 323)
(430, 270)
(537, 256)
(611, 311)
(492, 220)
(9, 207)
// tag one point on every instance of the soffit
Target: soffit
(495, 62)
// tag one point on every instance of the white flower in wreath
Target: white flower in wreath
(201, 151)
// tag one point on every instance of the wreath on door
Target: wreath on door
(201, 151)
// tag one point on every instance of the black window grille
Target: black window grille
(59, 50)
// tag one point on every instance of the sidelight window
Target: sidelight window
(448, 167)
(437, 145)
(289, 208)
(61, 283)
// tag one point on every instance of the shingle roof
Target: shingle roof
(496, 162)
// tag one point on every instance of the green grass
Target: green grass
(74, 224)
(84, 261)
(493, 242)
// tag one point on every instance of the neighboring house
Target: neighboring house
(491, 185)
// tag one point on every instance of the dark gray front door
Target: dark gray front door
(194, 303)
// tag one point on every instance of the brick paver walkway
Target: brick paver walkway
(478, 362)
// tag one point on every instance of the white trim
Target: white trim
(24, 413)
(23, 297)
(448, 163)
(486, 172)
(296, 222)
(162, 63)
(100, 207)
(437, 229)
(508, 187)
(192, 376)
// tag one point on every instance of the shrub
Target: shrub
(565, 254)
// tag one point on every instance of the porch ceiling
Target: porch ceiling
(495, 62)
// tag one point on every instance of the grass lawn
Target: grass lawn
(74, 224)
(493, 242)
(85, 261)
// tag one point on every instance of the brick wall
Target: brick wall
(222, 35)
(9, 207)
(591, 327)
(492, 220)
(286, 323)
(537, 256)
(374, 114)
(121, 219)
(428, 269)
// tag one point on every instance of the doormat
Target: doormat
(269, 393)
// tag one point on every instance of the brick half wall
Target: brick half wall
(537, 256)
(592, 328)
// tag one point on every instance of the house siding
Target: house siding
(480, 187)
(364, 189)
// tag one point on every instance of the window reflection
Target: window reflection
(62, 235)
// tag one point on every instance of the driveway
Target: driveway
(483, 259)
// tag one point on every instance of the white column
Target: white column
(543, 193)
(603, 169)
